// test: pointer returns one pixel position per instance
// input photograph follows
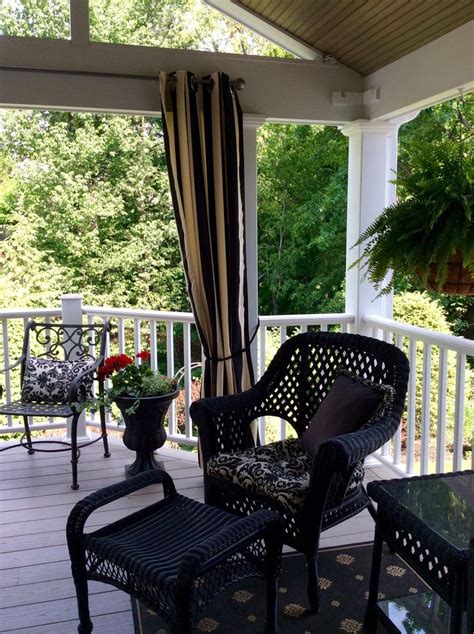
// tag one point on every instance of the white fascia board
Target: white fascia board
(440, 70)
(266, 29)
(281, 90)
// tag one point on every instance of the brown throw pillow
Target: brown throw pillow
(349, 404)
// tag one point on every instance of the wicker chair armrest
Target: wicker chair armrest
(83, 509)
(348, 449)
(226, 541)
(224, 420)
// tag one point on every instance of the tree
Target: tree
(419, 309)
(94, 190)
(85, 198)
(302, 184)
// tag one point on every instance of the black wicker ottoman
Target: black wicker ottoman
(175, 555)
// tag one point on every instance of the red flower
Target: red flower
(144, 355)
(114, 364)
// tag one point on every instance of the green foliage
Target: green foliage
(434, 215)
(302, 184)
(420, 310)
(38, 18)
(86, 197)
(185, 24)
(94, 191)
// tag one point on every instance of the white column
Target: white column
(372, 165)
(251, 124)
(71, 310)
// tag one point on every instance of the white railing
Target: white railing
(172, 340)
(430, 439)
(168, 336)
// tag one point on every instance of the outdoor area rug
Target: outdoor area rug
(345, 574)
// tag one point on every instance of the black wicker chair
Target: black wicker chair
(57, 367)
(175, 555)
(295, 383)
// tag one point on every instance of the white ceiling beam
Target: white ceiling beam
(266, 29)
(55, 74)
(435, 72)
(79, 22)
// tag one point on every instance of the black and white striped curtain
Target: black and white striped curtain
(204, 149)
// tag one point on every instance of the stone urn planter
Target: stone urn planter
(144, 430)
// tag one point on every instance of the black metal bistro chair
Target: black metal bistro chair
(316, 381)
(57, 368)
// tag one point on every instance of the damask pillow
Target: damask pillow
(350, 403)
(49, 380)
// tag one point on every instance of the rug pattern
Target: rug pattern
(345, 575)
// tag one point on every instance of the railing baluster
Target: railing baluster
(425, 409)
(153, 346)
(397, 439)
(6, 363)
(137, 339)
(387, 336)
(283, 338)
(411, 407)
(90, 322)
(30, 418)
(121, 335)
(459, 411)
(261, 370)
(304, 328)
(107, 381)
(187, 378)
(442, 390)
(170, 371)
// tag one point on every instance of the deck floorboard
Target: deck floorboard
(35, 501)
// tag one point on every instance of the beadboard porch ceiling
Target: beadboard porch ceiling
(364, 35)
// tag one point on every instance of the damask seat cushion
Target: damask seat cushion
(49, 380)
(279, 470)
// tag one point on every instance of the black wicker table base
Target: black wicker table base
(174, 556)
(428, 521)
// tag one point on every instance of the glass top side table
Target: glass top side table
(428, 521)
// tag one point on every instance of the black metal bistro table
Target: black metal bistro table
(428, 521)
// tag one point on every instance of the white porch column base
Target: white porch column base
(251, 124)
(71, 308)
(372, 164)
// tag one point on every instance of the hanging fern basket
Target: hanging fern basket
(459, 280)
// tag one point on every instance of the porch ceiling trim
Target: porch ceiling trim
(266, 29)
(438, 71)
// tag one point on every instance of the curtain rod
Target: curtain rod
(236, 84)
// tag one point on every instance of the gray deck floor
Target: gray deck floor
(37, 592)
